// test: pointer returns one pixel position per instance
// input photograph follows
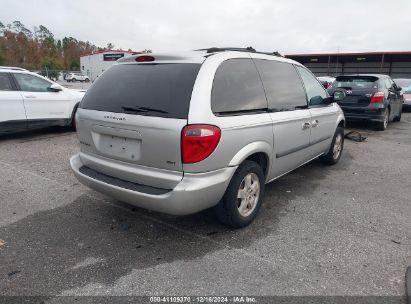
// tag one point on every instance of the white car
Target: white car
(73, 77)
(28, 100)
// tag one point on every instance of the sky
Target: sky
(287, 26)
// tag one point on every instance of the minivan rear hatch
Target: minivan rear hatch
(134, 114)
(359, 89)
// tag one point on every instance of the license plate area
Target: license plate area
(117, 143)
(120, 147)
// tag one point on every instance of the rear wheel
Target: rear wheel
(382, 125)
(87, 80)
(336, 148)
(73, 80)
(242, 199)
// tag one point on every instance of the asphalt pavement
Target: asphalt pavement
(339, 230)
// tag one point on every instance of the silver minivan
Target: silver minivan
(180, 133)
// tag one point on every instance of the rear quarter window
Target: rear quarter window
(164, 88)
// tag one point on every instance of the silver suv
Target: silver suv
(179, 133)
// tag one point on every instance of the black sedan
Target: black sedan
(373, 98)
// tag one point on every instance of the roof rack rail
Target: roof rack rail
(12, 68)
(247, 49)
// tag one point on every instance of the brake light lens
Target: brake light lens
(198, 142)
(377, 97)
(144, 58)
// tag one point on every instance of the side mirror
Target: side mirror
(338, 96)
(55, 87)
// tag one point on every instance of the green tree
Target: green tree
(51, 66)
(2, 55)
(110, 46)
(2, 29)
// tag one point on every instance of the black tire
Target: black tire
(73, 119)
(87, 80)
(73, 80)
(331, 158)
(382, 125)
(227, 211)
(398, 117)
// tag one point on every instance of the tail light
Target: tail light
(378, 97)
(198, 142)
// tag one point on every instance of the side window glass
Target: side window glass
(315, 91)
(282, 85)
(31, 83)
(5, 83)
(237, 87)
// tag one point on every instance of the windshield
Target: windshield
(145, 89)
(355, 83)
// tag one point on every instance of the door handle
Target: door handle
(315, 123)
(30, 96)
(306, 125)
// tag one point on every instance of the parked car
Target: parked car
(326, 81)
(73, 77)
(28, 100)
(403, 83)
(372, 98)
(194, 131)
(407, 98)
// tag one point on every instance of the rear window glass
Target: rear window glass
(162, 90)
(355, 83)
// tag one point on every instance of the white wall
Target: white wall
(94, 65)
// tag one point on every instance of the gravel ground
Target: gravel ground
(341, 230)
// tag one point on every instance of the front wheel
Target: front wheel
(242, 199)
(87, 80)
(334, 154)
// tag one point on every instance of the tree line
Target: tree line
(38, 49)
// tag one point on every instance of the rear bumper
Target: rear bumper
(195, 192)
(372, 112)
(406, 105)
(364, 117)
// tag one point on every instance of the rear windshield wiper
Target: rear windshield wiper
(142, 109)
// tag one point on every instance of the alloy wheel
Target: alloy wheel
(248, 194)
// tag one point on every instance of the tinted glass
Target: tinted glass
(5, 83)
(164, 88)
(389, 83)
(31, 83)
(355, 82)
(314, 90)
(237, 87)
(282, 85)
